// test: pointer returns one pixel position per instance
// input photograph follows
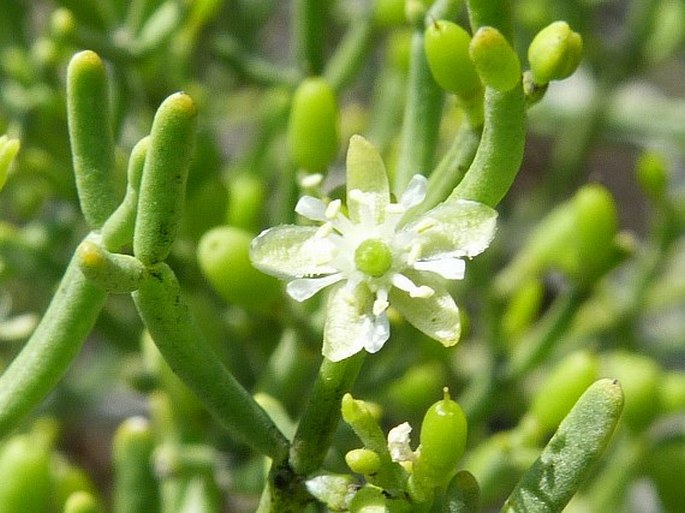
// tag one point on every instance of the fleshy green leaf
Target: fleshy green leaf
(570, 454)
(349, 325)
(366, 176)
(456, 227)
(291, 252)
(437, 316)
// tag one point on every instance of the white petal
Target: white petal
(348, 322)
(415, 192)
(311, 208)
(366, 174)
(449, 268)
(289, 252)
(455, 228)
(379, 335)
(304, 288)
(436, 316)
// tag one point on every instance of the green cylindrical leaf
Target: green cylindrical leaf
(114, 272)
(496, 61)
(46, 356)
(187, 352)
(162, 188)
(136, 489)
(118, 229)
(313, 125)
(569, 456)
(90, 133)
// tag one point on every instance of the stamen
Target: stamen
(395, 208)
(422, 292)
(425, 224)
(324, 231)
(311, 181)
(333, 209)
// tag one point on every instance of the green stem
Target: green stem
(320, 418)
(351, 52)
(539, 342)
(421, 117)
(491, 13)
(45, 358)
(309, 29)
(184, 347)
(257, 69)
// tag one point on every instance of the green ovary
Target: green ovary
(373, 257)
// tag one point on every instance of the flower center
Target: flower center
(373, 257)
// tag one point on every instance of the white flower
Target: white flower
(374, 260)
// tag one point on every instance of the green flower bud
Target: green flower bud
(82, 502)
(8, 150)
(496, 61)
(652, 174)
(447, 50)
(313, 125)
(555, 52)
(443, 439)
(560, 390)
(640, 378)
(223, 255)
(363, 461)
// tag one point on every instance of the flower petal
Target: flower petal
(456, 228)
(304, 288)
(450, 268)
(368, 192)
(292, 252)
(349, 323)
(437, 316)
